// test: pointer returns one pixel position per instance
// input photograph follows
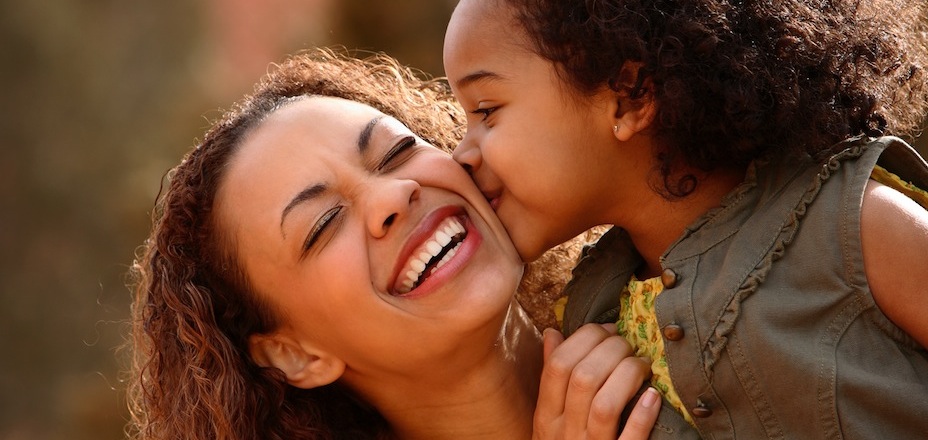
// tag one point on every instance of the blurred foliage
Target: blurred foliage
(101, 98)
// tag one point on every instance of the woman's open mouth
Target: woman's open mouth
(432, 254)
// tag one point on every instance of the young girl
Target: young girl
(769, 250)
(318, 271)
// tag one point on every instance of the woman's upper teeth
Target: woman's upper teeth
(449, 229)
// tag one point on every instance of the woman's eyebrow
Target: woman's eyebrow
(303, 196)
(364, 139)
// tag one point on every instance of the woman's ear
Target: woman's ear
(303, 367)
(632, 115)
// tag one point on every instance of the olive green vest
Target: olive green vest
(769, 326)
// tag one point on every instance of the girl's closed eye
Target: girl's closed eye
(486, 112)
(323, 227)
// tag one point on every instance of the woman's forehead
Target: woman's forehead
(331, 114)
(334, 109)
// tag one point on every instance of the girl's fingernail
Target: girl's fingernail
(649, 398)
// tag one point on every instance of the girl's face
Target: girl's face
(538, 153)
(374, 247)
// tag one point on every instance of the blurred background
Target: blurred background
(100, 98)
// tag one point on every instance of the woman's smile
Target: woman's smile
(437, 249)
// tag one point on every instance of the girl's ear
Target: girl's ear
(303, 367)
(632, 115)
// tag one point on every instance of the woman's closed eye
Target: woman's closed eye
(322, 229)
(397, 154)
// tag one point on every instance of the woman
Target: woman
(316, 270)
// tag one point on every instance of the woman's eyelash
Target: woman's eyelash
(319, 228)
(486, 112)
(401, 146)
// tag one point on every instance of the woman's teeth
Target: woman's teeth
(437, 250)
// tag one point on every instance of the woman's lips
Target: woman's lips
(434, 253)
(436, 249)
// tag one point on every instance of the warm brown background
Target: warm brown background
(99, 98)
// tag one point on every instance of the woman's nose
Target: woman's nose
(468, 155)
(389, 202)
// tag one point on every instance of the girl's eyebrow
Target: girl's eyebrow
(478, 76)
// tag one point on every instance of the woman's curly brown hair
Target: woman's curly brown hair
(736, 80)
(194, 309)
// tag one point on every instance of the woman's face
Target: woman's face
(368, 242)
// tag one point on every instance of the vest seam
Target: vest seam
(769, 426)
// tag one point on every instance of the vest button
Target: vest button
(668, 278)
(701, 412)
(673, 332)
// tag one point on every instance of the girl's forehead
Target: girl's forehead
(491, 22)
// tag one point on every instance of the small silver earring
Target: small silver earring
(615, 128)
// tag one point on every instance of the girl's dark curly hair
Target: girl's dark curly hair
(736, 80)
(194, 308)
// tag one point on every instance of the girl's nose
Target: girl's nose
(388, 202)
(468, 155)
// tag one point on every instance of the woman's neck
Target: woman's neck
(495, 399)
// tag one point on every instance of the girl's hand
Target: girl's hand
(586, 383)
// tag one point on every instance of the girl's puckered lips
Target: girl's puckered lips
(493, 197)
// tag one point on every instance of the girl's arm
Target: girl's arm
(894, 237)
